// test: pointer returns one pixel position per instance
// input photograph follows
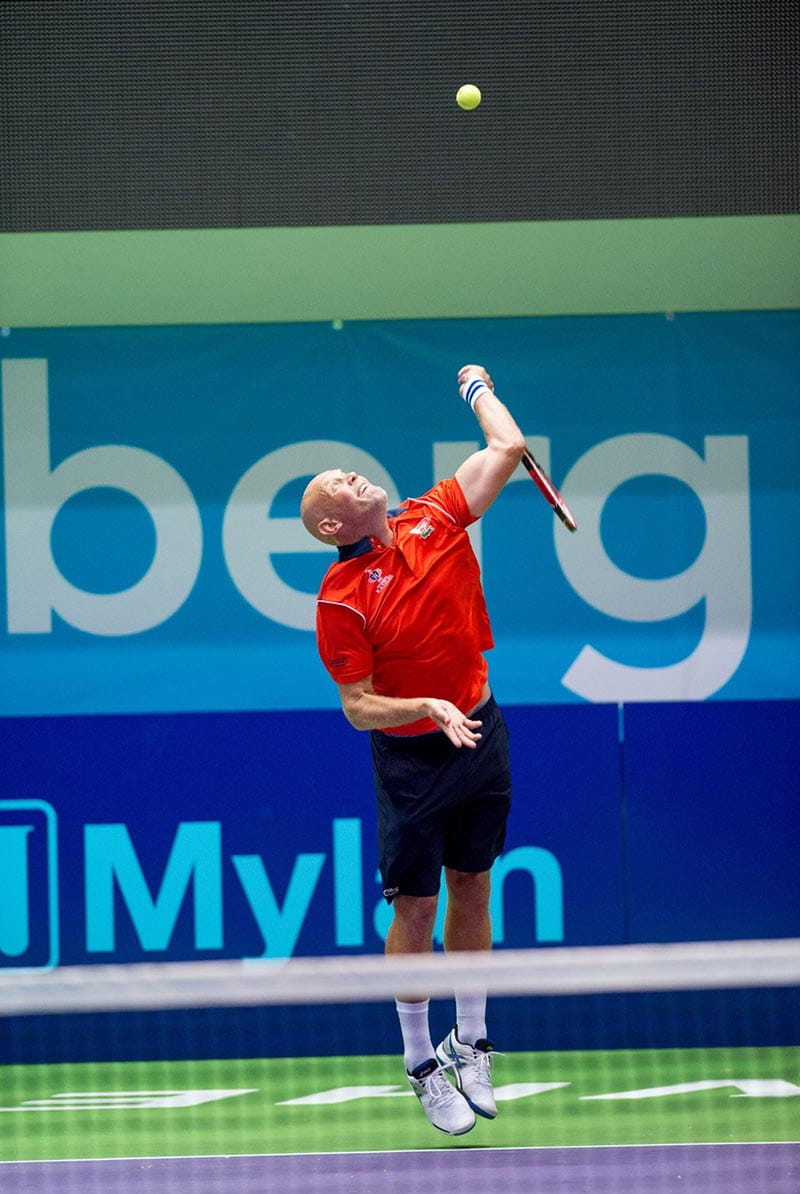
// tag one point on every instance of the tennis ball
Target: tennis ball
(468, 97)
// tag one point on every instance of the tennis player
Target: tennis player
(402, 627)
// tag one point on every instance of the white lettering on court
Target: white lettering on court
(749, 1088)
(122, 1100)
(348, 1094)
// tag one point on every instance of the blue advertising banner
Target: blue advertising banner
(178, 836)
(194, 836)
(154, 560)
(712, 816)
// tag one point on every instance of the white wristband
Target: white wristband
(473, 390)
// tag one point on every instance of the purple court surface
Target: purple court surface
(639, 1169)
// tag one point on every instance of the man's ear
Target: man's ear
(329, 526)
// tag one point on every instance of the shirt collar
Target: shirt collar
(349, 551)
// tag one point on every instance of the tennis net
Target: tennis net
(644, 1068)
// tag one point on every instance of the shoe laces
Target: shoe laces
(437, 1086)
(483, 1065)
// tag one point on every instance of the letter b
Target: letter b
(35, 494)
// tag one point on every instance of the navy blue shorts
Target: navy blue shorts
(439, 804)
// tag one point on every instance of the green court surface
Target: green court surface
(350, 1104)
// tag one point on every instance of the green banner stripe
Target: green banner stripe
(430, 271)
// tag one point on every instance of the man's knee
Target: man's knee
(467, 886)
(416, 913)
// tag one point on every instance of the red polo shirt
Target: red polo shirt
(411, 615)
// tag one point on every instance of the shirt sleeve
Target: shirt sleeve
(342, 642)
(450, 496)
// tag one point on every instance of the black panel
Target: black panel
(229, 113)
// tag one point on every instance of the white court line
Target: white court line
(404, 1152)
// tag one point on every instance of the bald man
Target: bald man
(402, 628)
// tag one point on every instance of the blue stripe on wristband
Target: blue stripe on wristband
(473, 391)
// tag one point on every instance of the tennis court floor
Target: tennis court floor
(716, 1120)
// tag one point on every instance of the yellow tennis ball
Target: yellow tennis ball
(468, 97)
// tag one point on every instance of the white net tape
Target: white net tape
(562, 971)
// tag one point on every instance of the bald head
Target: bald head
(316, 506)
(340, 508)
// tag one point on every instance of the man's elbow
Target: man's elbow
(355, 714)
(511, 447)
(517, 446)
(358, 723)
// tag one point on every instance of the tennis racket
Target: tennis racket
(548, 490)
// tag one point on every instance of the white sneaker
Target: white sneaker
(472, 1066)
(441, 1102)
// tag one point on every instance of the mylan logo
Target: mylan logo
(29, 914)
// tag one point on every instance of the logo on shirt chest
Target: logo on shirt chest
(376, 577)
(424, 528)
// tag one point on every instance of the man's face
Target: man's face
(339, 507)
(351, 498)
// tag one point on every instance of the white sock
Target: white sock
(470, 1018)
(417, 1043)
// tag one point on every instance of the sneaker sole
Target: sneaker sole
(460, 1132)
(479, 1110)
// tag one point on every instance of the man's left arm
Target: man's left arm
(484, 474)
